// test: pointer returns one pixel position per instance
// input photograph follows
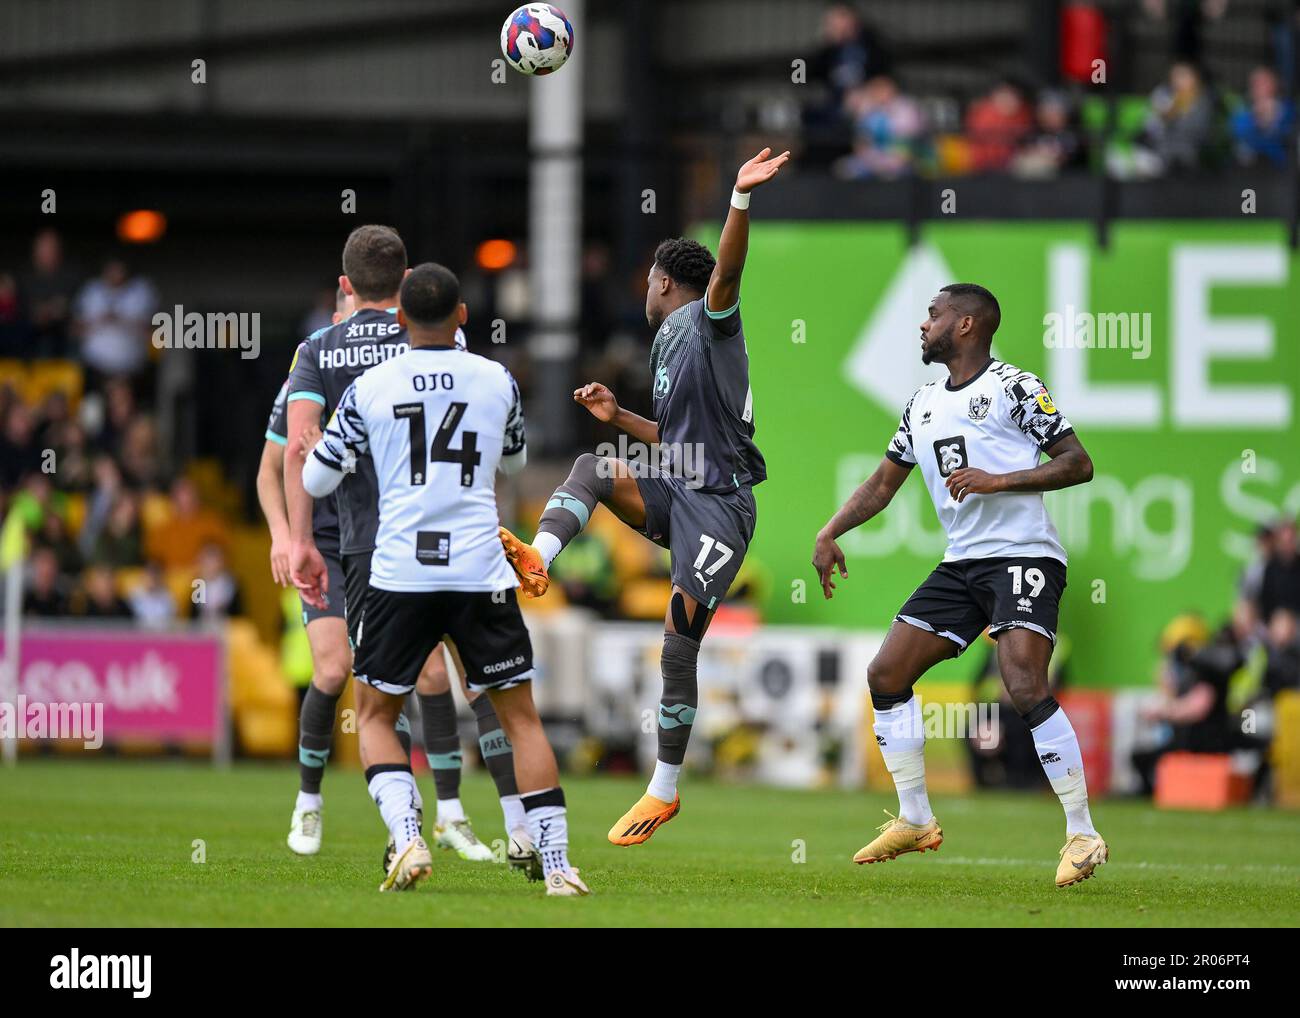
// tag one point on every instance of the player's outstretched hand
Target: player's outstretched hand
(307, 569)
(598, 399)
(280, 561)
(760, 170)
(827, 557)
(971, 481)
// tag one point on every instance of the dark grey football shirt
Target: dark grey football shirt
(702, 400)
(326, 363)
(324, 520)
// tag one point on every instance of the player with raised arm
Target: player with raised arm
(698, 502)
(978, 437)
(437, 424)
(374, 263)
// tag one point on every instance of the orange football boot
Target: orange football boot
(527, 563)
(643, 819)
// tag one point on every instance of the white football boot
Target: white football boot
(459, 836)
(566, 884)
(523, 855)
(408, 869)
(305, 831)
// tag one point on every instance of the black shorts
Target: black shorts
(397, 631)
(356, 580)
(706, 533)
(959, 599)
(334, 596)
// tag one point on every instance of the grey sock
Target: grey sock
(574, 501)
(315, 737)
(680, 695)
(442, 742)
(498, 754)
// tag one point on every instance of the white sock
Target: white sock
(450, 811)
(663, 783)
(548, 826)
(394, 794)
(306, 802)
(549, 545)
(1058, 752)
(512, 811)
(901, 737)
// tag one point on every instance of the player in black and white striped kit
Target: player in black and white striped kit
(977, 438)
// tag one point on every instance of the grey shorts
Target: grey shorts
(706, 533)
(334, 596)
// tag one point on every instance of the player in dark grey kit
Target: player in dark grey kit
(696, 500)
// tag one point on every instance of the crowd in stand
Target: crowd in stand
(1187, 122)
(112, 534)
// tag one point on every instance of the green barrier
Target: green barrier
(1190, 412)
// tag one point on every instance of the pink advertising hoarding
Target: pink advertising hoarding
(165, 686)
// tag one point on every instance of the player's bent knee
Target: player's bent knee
(884, 680)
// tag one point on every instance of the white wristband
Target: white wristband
(738, 200)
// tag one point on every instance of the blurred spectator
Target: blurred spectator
(19, 454)
(1055, 144)
(107, 485)
(1252, 576)
(850, 55)
(1179, 123)
(141, 464)
(118, 545)
(1193, 692)
(46, 595)
(72, 461)
(1282, 647)
(887, 130)
(53, 536)
(177, 543)
(1280, 584)
(100, 599)
(220, 589)
(151, 602)
(48, 291)
(1186, 19)
(15, 332)
(321, 314)
(996, 124)
(1261, 127)
(114, 314)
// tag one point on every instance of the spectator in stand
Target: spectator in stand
(53, 535)
(1055, 144)
(1282, 645)
(888, 128)
(1261, 127)
(118, 399)
(99, 597)
(119, 545)
(19, 454)
(1280, 586)
(141, 465)
(152, 602)
(221, 598)
(177, 543)
(103, 496)
(1179, 123)
(15, 330)
(48, 290)
(114, 313)
(72, 462)
(851, 54)
(46, 595)
(996, 124)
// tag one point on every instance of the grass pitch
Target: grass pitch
(111, 843)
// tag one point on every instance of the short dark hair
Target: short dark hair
(977, 300)
(374, 259)
(686, 262)
(430, 293)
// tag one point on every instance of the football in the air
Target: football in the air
(537, 39)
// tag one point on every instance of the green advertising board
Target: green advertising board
(1189, 411)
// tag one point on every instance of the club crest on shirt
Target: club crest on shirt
(979, 407)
